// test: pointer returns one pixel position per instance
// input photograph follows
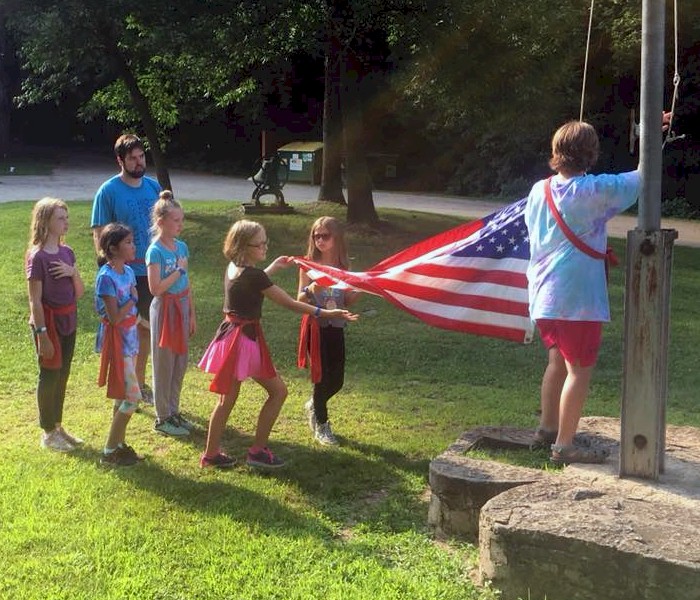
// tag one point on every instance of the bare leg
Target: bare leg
(550, 393)
(573, 397)
(117, 431)
(144, 351)
(277, 394)
(218, 419)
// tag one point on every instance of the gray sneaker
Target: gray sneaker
(70, 438)
(170, 427)
(55, 441)
(324, 435)
(310, 414)
(182, 422)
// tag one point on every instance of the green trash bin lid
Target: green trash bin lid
(301, 147)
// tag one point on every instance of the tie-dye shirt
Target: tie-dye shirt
(564, 282)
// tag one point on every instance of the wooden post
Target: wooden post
(645, 374)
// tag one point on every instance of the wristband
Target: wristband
(39, 330)
(181, 271)
(317, 313)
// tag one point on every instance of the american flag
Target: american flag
(470, 278)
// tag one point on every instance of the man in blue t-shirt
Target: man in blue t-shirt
(128, 198)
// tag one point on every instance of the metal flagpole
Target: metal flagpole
(648, 283)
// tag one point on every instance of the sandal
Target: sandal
(543, 439)
(566, 455)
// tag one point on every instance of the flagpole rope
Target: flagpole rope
(676, 75)
(585, 64)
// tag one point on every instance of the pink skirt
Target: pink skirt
(248, 364)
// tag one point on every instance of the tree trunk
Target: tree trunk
(144, 110)
(360, 202)
(5, 87)
(331, 189)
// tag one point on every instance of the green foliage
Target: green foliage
(489, 80)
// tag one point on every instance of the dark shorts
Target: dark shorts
(145, 297)
(578, 341)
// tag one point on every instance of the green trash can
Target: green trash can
(305, 160)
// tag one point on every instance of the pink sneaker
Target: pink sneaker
(220, 461)
(264, 459)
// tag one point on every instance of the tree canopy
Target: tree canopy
(465, 93)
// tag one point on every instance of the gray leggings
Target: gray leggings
(168, 368)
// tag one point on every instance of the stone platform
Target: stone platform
(580, 532)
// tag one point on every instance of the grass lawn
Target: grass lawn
(347, 522)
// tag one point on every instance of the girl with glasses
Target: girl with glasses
(239, 351)
(326, 246)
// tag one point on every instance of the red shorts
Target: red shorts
(578, 341)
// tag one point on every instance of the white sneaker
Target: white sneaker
(310, 414)
(70, 438)
(324, 435)
(55, 441)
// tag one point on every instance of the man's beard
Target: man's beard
(137, 173)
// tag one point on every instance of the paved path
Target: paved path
(79, 182)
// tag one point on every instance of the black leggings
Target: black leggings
(332, 370)
(51, 388)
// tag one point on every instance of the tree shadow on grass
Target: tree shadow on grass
(199, 493)
(356, 483)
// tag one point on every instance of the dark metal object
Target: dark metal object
(270, 177)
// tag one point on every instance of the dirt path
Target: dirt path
(79, 182)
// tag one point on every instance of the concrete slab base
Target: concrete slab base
(581, 532)
(461, 485)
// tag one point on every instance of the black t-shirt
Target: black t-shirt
(243, 297)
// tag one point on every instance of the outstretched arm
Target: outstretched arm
(279, 296)
(281, 262)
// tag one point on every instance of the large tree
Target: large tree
(92, 50)
(6, 81)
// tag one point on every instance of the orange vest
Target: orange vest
(56, 361)
(112, 358)
(172, 333)
(309, 350)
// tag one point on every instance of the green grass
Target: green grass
(336, 523)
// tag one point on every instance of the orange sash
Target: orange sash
(223, 380)
(309, 350)
(172, 334)
(112, 358)
(50, 312)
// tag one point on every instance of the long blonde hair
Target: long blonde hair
(41, 216)
(238, 238)
(340, 247)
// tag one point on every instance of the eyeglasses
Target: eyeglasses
(322, 236)
(266, 243)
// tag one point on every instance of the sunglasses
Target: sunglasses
(322, 236)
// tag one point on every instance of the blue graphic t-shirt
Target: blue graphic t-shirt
(116, 201)
(158, 254)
